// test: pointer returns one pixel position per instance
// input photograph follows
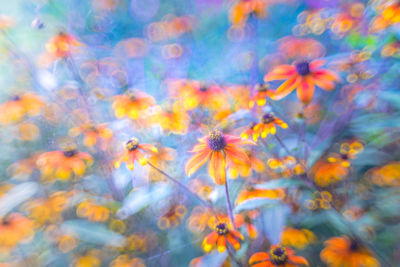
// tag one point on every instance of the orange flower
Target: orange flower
(14, 228)
(201, 188)
(251, 192)
(61, 164)
(262, 92)
(244, 8)
(94, 212)
(387, 175)
(303, 75)
(245, 219)
(244, 170)
(14, 110)
(126, 261)
(287, 165)
(221, 234)
(93, 134)
(173, 217)
(297, 238)
(294, 47)
(218, 148)
(267, 126)
(161, 158)
(348, 151)
(326, 173)
(173, 119)
(277, 257)
(199, 219)
(133, 152)
(389, 15)
(194, 94)
(61, 45)
(131, 104)
(344, 251)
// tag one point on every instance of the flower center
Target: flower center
(70, 153)
(263, 87)
(303, 68)
(344, 156)
(16, 98)
(268, 118)
(221, 228)
(279, 255)
(203, 88)
(216, 140)
(132, 144)
(354, 245)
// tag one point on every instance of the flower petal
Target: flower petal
(285, 88)
(197, 161)
(305, 90)
(216, 167)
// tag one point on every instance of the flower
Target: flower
(388, 15)
(173, 119)
(61, 45)
(297, 238)
(244, 170)
(303, 75)
(14, 110)
(278, 256)
(199, 219)
(287, 166)
(161, 159)
(244, 8)
(61, 164)
(220, 236)
(262, 91)
(133, 151)
(126, 261)
(93, 134)
(14, 228)
(131, 104)
(326, 173)
(94, 212)
(245, 219)
(217, 148)
(386, 175)
(173, 217)
(267, 125)
(345, 251)
(348, 151)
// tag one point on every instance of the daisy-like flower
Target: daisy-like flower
(14, 110)
(14, 228)
(172, 119)
(267, 125)
(303, 75)
(217, 148)
(93, 134)
(345, 251)
(348, 151)
(62, 164)
(133, 151)
(244, 8)
(262, 91)
(222, 233)
(278, 256)
(244, 170)
(297, 238)
(131, 104)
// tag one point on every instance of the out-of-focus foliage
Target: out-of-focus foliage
(258, 133)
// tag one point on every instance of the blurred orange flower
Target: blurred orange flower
(348, 151)
(303, 75)
(14, 228)
(297, 238)
(173, 217)
(245, 220)
(94, 212)
(242, 9)
(126, 261)
(344, 251)
(61, 164)
(172, 119)
(244, 170)
(14, 110)
(326, 173)
(278, 256)
(133, 151)
(132, 104)
(217, 148)
(260, 97)
(251, 192)
(220, 236)
(267, 125)
(93, 134)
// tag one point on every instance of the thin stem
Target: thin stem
(183, 187)
(282, 144)
(229, 204)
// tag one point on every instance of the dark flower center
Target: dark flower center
(267, 118)
(344, 156)
(70, 153)
(354, 245)
(303, 68)
(221, 228)
(279, 255)
(203, 88)
(16, 98)
(262, 87)
(216, 140)
(132, 144)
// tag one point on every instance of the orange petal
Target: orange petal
(257, 257)
(232, 240)
(216, 167)
(237, 155)
(285, 88)
(197, 161)
(280, 73)
(221, 243)
(305, 90)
